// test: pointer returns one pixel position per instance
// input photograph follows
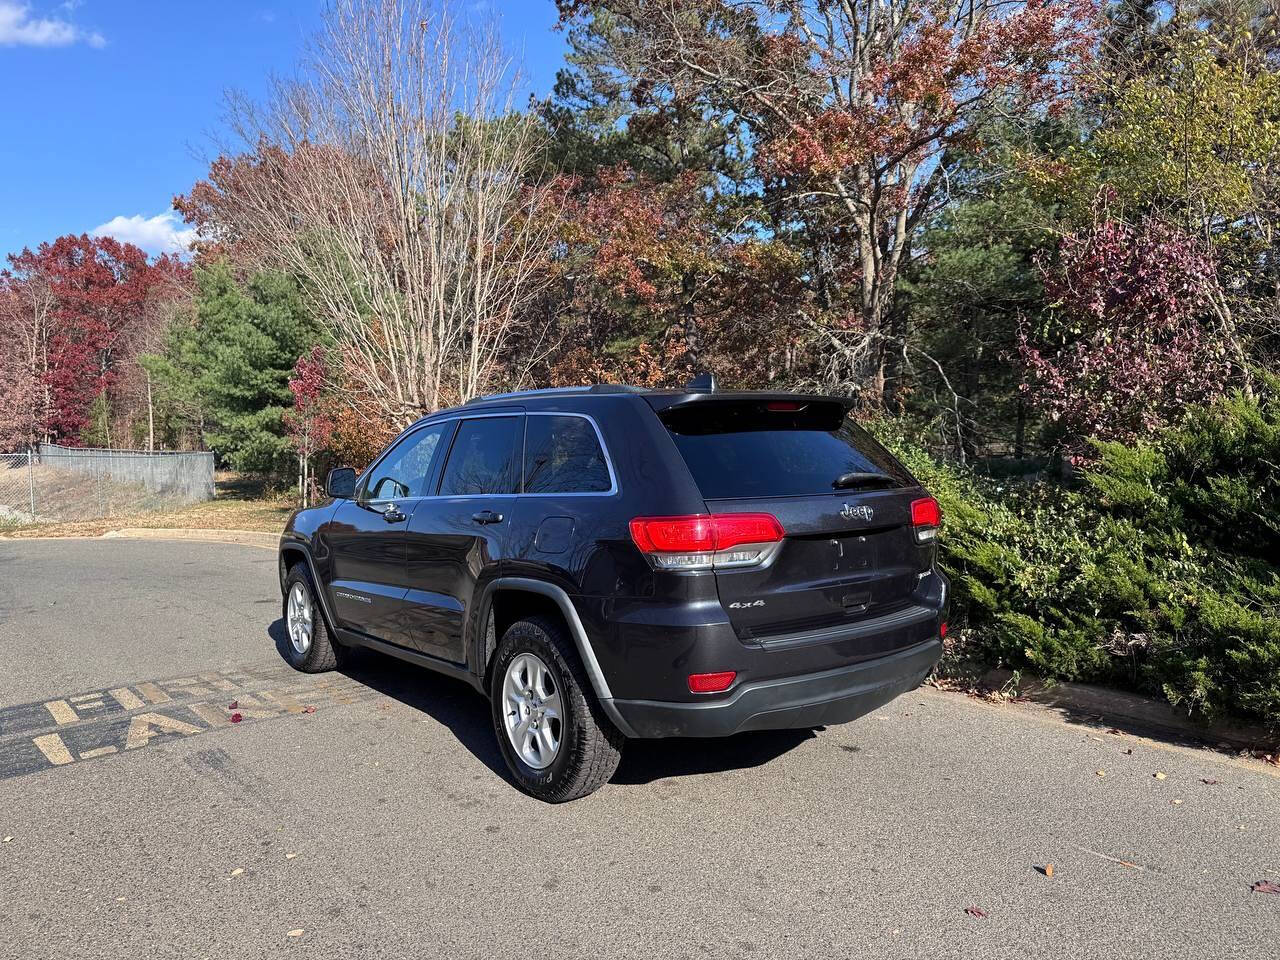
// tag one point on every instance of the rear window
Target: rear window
(737, 449)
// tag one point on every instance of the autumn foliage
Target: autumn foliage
(79, 311)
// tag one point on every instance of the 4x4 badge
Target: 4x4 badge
(861, 510)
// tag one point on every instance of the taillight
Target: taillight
(711, 682)
(701, 541)
(926, 518)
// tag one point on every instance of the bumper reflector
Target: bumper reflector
(711, 682)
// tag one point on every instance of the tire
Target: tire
(318, 653)
(588, 747)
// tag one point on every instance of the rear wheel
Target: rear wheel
(555, 739)
(307, 642)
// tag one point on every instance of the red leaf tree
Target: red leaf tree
(311, 421)
(96, 292)
(1128, 349)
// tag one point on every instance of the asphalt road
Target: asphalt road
(366, 813)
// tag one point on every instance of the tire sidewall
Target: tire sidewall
(526, 637)
(301, 660)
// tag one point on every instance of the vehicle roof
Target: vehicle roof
(657, 398)
(660, 398)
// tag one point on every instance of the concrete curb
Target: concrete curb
(248, 538)
(1076, 699)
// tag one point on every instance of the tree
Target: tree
(853, 110)
(1125, 351)
(231, 366)
(82, 302)
(395, 181)
(310, 422)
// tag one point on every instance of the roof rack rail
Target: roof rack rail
(552, 391)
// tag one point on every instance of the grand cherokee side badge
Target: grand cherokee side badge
(862, 510)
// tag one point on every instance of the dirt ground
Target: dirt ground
(67, 504)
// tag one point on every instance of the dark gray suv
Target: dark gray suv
(608, 563)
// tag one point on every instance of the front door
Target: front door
(367, 535)
(456, 535)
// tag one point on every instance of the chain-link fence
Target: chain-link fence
(74, 483)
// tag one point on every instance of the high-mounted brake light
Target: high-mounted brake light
(701, 541)
(784, 406)
(711, 682)
(926, 517)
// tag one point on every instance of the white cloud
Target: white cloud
(163, 233)
(19, 27)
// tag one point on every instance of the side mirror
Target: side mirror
(340, 483)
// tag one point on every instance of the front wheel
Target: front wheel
(554, 738)
(307, 642)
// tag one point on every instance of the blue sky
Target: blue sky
(109, 105)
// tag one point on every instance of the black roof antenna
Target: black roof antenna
(703, 383)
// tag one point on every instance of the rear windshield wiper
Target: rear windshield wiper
(862, 478)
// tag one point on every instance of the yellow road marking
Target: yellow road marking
(99, 752)
(289, 704)
(62, 712)
(54, 750)
(126, 698)
(153, 693)
(87, 696)
(217, 682)
(211, 714)
(146, 725)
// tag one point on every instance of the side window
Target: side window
(563, 455)
(484, 458)
(404, 472)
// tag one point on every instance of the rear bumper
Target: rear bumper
(809, 700)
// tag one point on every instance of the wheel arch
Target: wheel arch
(508, 599)
(293, 552)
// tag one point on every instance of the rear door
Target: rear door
(850, 553)
(460, 533)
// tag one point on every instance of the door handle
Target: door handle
(487, 516)
(392, 514)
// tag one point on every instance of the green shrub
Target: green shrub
(1158, 572)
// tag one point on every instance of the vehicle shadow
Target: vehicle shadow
(465, 713)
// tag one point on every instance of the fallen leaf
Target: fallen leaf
(6, 840)
(233, 705)
(294, 933)
(309, 709)
(976, 911)
(1176, 802)
(1102, 773)
(236, 718)
(237, 871)
(1161, 776)
(1266, 886)
(1048, 869)
(1210, 781)
(290, 856)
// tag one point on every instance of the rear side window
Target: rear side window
(563, 455)
(483, 458)
(743, 449)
